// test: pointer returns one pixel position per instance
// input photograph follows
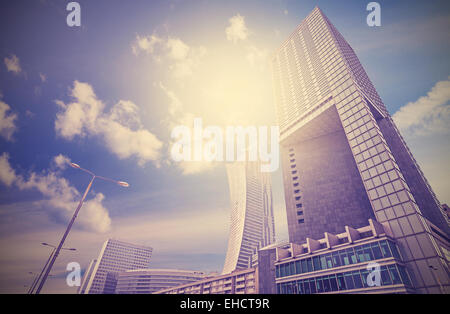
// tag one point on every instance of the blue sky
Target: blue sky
(144, 66)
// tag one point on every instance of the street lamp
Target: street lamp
(66, 233)
(38, 277)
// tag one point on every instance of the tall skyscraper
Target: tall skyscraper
(344, 160)
(115, 257)
(252, 223)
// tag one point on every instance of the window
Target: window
(333, 283)
(316, 263)
(335, 259)
(385, 278)
(300, 221)
(297, 191)
(300, 212)
(394, 250)
(299, 205)
(404, 275)
(349, 281)
(357, 280)
(341, 282)
(376, 250)
(385, 249)
(297, 198)
(394, 275)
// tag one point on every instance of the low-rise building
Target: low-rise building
(147, 281)
(238, 282)
(339, 264)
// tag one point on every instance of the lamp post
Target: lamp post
(38, 277)
(58, 249)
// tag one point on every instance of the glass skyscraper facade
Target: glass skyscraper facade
(344, 160)
(252, 223)
(115, 257)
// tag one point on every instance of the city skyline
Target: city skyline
(155, 64)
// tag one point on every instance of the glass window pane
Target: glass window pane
(333, 283)
(368, 253)
(404, 275)
(312, 285)
(394, 275)
(300, 287)
(329, 261)
(376, 250)
(349, 281)
(357, 279)
(304, 266)
(306, 286)
(277, 268)
(291, 268)
(351, 256)
(344, 258)
(385, 278)
(385, 249)
(360, 254)
(319, 285)
(326, 284)
(316, 263)
(341, 282)
(288, 288)
(364, 274)
(298, 267)
(323, 262)
(309, 264)
(394, 250)
(336, 259)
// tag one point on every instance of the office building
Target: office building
(344, 160)
(115, 257)
(252, 223)
(244, 281)
(339, 264)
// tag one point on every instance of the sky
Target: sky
(107, 94)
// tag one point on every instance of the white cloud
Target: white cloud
(145, 44)
(428, 115)
(7, 121)
(237, 30)
(182, 58)
(61, 161)
(13, 64)
(7, 174)
(61, 197)
(121, 128)
(178, 50)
